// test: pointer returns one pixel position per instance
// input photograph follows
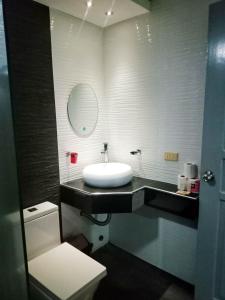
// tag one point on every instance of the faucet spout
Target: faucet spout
(105, 152)
(105, 146)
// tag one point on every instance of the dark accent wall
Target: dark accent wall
(31, 79)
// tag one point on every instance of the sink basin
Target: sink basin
(107, 175)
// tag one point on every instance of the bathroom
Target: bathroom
(153, 71)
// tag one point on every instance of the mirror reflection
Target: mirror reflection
(82, 109)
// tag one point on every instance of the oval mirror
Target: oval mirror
(82, 109)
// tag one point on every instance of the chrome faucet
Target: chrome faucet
(138, 151)
(105, 152)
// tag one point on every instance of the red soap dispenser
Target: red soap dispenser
(73, 157)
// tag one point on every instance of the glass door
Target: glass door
(210, 282)
(13, 279)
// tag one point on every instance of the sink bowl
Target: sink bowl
(107, 175)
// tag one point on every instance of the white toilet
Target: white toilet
(57, 271)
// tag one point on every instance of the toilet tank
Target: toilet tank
(41, 223)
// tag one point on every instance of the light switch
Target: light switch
(173, 156)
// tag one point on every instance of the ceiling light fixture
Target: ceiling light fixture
(89, 3)
(109, 13)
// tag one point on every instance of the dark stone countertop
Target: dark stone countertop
(135, 185)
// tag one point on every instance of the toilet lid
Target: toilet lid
(65, 270)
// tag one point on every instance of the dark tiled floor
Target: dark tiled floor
(131, 278)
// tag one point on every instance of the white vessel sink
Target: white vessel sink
(107, 175)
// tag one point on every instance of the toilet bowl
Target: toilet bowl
(57, 271)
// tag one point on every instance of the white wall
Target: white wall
(149, 76)
(154, 69)
(77, 55)
(164, 240)
(73, 224)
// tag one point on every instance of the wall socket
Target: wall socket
(173, 156)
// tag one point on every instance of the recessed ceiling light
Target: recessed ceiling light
(109, 13)
(89, 3)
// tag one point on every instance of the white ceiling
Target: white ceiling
(122, 10)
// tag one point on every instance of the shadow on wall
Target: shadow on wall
(73, 224)
(148, 212)
(135, 239)
(159, 238)
(149, 220)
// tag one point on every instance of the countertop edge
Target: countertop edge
(144, 186)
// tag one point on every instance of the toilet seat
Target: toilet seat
(65, 271)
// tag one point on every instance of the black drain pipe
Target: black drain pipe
(95, 221)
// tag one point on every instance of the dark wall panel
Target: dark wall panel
(31, 78)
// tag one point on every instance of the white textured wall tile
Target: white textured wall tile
(154, 68)
(149, 75)
(77, 58)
